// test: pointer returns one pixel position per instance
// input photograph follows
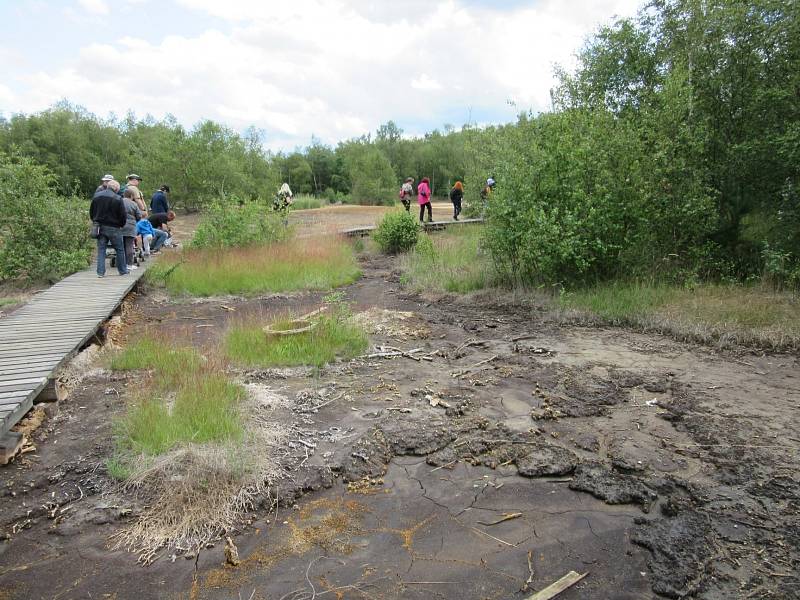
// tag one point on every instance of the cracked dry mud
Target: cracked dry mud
(660, 468)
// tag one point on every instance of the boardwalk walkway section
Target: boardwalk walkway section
(45, 333)
(432, 226)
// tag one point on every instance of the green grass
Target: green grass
(186, 400)
(618, 301)
(306, 202)
(449, 262)
(310, 264)
(247, 344)
(205, 409)
(747, 315)
(170, 363)
(8, 302)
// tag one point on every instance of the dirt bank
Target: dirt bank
(658, 467)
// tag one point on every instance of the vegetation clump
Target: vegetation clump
(233, 224)
(186, 451)
(333, 335)
(397, 232)
(42, 234)
(454, 261)
(309, 264)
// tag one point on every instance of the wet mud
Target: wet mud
(660, 468)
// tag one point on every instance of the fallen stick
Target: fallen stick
(505, 517)
(491, 536)
(473, 367)
(519, 338)
(554, 589)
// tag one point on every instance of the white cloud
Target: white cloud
(425, 82)
(95, 7)
(332, 68)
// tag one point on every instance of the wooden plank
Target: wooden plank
(16, 394)
(45, 336)
(5, 403)
(553, 590)
(36, 335)
(24, 372)
(24, 384)
(36, 357)
(18, 348)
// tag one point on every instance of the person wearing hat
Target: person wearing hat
(104, 182)
(108, 211)
(407, 192)
(158, 201)
(133, 184)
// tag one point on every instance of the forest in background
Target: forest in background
(672, 152)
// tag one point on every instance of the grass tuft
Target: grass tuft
(334, 336)
(171, 363)
(205, 409)
(307, 202)
(728, 315)
(449, 262)
(315, 264)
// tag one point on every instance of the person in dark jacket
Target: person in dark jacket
(108, 211)
(456, 196)
(158, 202)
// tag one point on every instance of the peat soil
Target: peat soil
(522, 450)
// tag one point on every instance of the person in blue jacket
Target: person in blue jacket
(158, 203)
(152, 238)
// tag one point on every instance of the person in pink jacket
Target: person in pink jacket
(424, 199)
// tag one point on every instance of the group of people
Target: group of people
(120, 219)
(424, 196)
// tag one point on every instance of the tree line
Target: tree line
(210, 161)
(672, 151)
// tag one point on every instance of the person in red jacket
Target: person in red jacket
(424, 199)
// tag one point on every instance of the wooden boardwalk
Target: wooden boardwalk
(44, 334)
(366, 230)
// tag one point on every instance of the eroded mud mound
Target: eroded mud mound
(681, 549)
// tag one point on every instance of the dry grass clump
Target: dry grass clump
(195, 492)
(194, 448)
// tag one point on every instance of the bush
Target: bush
(42, 235)
(397, 232)
(233, 223)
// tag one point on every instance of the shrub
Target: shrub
(397, 232)
(42, 235)
(232, 223)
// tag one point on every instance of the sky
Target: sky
(331, 69)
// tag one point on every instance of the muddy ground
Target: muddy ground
(659, 468)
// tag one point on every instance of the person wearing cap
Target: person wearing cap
(407, 192)
(108, 211)
(133, 184)
(158, 202)
(104, 182)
